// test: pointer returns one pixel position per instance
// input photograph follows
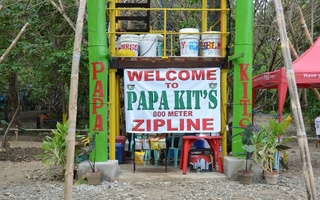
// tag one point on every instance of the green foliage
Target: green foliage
(55, 148)
(247, 135)
(87, 150)
(4, 122)
(43, 55)
(266, 144)
(92, 144)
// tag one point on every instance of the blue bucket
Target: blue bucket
(198, 144)
(119, 152)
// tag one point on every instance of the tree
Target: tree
(267, 50)
(42, 59)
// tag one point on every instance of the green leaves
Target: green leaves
(267, 143)
(248, 148)
(55, 148)
(247, 135)
(42, 57)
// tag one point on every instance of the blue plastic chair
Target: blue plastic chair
(174, 149)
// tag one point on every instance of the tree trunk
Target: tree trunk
(6, 138)
(14, 97)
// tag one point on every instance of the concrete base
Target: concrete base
(110, 169)
(231, 165)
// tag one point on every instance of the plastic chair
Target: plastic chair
(137, 136)
(175, 149)
(148, 153)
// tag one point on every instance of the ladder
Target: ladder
(145, 19)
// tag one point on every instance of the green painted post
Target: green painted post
(99, 67)
(242, 87)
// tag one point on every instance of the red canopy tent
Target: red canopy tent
(307, 72)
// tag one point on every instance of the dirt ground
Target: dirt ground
(20, 165)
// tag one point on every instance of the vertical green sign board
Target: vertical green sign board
(242, 88)
(98, 67)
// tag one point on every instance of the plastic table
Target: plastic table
(187, 141)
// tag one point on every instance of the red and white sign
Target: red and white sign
(172, 100)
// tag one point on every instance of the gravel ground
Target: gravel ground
(287, 188)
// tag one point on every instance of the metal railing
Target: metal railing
(168, 47)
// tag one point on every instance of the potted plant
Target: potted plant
(93, 176)
(246, 175)
(267, 144)
(55, 148)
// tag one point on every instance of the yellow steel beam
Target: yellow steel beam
(170, 9)
(224, 86)
(112, 28)
(204, 15)
(223, 17)
(117, 105)
(112, 114)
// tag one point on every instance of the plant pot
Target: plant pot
(271, 177)
(93, 178)
(245, 176)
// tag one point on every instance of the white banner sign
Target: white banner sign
(172, 100)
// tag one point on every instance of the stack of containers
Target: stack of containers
(211, 44)
(189, 42)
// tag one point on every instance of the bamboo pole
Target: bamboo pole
(74, 80)
(304, 25)
(14, 42)
(293, 51)
(65, 16)
(295, 105)
(312, 18)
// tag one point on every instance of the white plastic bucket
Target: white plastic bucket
(159, 37)
(148, 45)
(189, 43)
(118, 45)
(130, 42)
(211, 44)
